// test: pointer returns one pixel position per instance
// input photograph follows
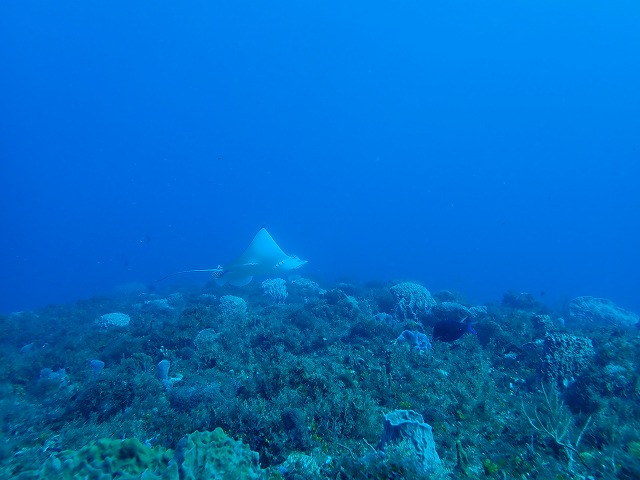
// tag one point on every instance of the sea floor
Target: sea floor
(295, 380)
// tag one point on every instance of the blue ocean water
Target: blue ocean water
(476, 147)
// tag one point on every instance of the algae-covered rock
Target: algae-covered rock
(302, 465)
(215, 456)
(199, 456)
(105, 458)
(601, 312)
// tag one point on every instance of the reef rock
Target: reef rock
(602, 312)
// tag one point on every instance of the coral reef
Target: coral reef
(213, 455)
(566, 356)
(409, 426)
(601, 311)
(233, 307)
(411, 300)
(342, 382)
(116, 319)
(276, 289)
(198, 456)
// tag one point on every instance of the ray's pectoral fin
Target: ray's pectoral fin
(263, 256)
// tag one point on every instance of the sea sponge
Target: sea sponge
(409, 427)
(215, 456)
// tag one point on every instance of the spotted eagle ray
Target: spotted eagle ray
(263, 256)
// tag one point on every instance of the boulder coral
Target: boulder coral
(411, 300)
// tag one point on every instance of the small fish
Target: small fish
(452, 330)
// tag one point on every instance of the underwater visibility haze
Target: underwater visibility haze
(415, 213)
(473, 147)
